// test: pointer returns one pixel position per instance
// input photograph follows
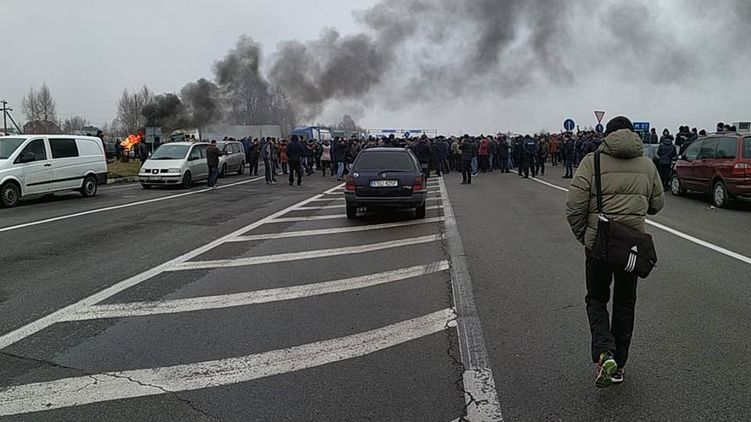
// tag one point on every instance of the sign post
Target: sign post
(569, 125)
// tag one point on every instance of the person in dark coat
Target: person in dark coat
(530, 149)
(666, 153)
(422, 152)
(568, 151)
(212, 159)
(339, 152)
(295, 153)
(467, 148)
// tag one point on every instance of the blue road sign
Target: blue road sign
(641, 126)
(407, 134)
(599, 128)
(569, 124)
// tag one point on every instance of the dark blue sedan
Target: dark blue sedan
(388, 178)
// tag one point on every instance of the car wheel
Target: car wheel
(241, 170)
(720, 196)
(351, 211)
(10, 194)
(223, 170)
(89, 187)
(676, 188)
(420, 212)
(145, 186)
(187, 180)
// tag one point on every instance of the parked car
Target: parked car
(232, 159)
(175, 163)
(385, 177)
(43, 164)
(718, 164)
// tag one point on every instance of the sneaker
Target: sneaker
(606, 368)
(617, 378)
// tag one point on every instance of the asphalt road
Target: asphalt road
(258, 302)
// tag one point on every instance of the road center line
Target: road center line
(481, 395)
(108, 386)
(296, 256)
(335, 230)
(120, 310)
(62, 314)
(117, 207)
(692, 239)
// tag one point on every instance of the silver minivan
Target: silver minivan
(232, 157)
(33, 165)
(175, 163)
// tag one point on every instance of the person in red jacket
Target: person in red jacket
(483, 152)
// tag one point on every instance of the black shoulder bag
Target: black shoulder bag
(619, 244)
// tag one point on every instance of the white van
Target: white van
(175, 163)
(42, 164)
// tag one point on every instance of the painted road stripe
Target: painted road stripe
(121, 310)
(481, 395)
(108, 386)
(328, 217)
(62, 314)
(692, 239)
(325, 207)
(336, 230)
(117, 207)
(295, 256)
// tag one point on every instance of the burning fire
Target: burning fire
(131, 141)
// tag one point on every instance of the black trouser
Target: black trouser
(528, 163)
(284, 168)
(253, 165)
(541, 165)
(612, 337)
(467, 171)
(664, 170)
(268, 170)
(325, 164)
(295, 167)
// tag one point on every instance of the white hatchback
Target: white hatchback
(33, 165)
(175, 163)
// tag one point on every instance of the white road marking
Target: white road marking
(62, 314)
(296, 256)
(108, 386)
(328, 199)
(481, 395)
(121, 310)
(325, 207)
(117, 207)
(692, 239)
(328, 217)
(335, 230)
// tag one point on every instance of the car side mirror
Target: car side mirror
(28, 157)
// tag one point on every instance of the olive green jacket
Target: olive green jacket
(631, 187)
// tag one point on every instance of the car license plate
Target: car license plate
(384, 183)
(155, 178)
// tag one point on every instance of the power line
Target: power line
(6, 115)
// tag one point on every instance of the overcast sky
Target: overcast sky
(88, 51)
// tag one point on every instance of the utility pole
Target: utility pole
(6, 116)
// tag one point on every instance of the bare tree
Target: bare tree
(75, 123)
(130, 107)
(39, 106)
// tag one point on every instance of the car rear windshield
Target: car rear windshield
(380, 161)
(170, 152)
(747, 148)
(8, 146)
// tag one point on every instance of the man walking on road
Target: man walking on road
(631, 189)
(295, 153)
(468, 152)
(212, 159)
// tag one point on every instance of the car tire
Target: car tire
(145, 186)
(720, 195)
(676, 187)
(223, 170)
(89, 187)
(241, 170)
(10, 194)
(187, 180)
(420, 212)
(351, 211)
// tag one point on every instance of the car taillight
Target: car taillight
(350, 185)
(419, 184)
(742, 169)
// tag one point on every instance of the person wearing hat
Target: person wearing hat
(631, 189)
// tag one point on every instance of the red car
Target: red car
(718, 164)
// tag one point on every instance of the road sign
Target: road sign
(407, 134)
(641, 127)
(569, 124)
(599, 128)
(599, 115)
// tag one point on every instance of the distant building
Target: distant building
(39, 127)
